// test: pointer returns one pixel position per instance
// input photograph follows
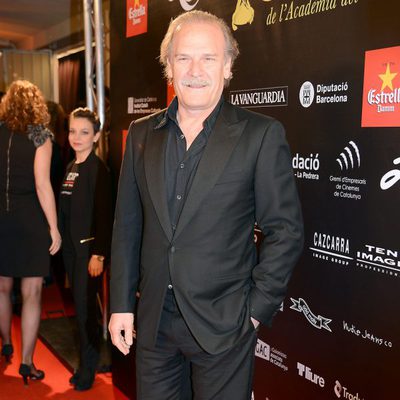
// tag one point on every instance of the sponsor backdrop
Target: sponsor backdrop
(330, 71)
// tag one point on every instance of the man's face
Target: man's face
(198, 67)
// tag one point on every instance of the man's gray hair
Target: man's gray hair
(197, 16)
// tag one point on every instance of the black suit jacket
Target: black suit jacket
(244, 176)
(91, 209)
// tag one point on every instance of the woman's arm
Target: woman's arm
(41, 169)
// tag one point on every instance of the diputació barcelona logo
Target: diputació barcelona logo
(381, 94)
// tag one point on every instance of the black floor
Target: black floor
(61, 336)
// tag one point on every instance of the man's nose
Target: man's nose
(195, 68)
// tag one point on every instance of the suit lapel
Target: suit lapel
(154, 164)
(220, 145)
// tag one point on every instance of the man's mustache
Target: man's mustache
(195, 82)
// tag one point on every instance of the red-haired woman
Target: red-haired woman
(28, 218)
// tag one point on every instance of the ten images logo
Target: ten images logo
(381, 96)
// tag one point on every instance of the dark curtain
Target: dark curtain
(68, 74)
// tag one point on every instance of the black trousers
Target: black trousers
(177, 368)
(84, 292)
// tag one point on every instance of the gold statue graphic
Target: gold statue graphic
(244, 14)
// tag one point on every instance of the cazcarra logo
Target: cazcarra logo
(350, 157)
(331, 248)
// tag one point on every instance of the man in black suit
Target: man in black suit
(194, 180)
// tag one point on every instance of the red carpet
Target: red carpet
(55, 385)
(56, 303)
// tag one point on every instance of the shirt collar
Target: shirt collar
(170, 115)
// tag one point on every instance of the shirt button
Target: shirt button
(181, 166)
(169, 287)
(182, 136)
(179, 197)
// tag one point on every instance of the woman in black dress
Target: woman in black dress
(28, 218)
(85, 220)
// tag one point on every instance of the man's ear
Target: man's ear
(227, 68)
(168, 71)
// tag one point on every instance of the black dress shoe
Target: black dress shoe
(74, 378)
(85, 380)
(7, 351)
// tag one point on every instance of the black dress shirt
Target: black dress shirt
(181, 164)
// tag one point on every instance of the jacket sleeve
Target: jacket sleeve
(102, 212)
(60, 213)
(278, 215)
(127, 234)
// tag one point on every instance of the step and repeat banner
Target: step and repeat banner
(329, 70)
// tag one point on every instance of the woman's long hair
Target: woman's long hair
(23, 105)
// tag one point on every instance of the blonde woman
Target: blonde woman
(85, 218)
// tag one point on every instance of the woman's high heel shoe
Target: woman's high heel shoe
(29, 371)
(7, 351)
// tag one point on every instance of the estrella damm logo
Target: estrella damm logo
(381, 94)
(136, 17)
